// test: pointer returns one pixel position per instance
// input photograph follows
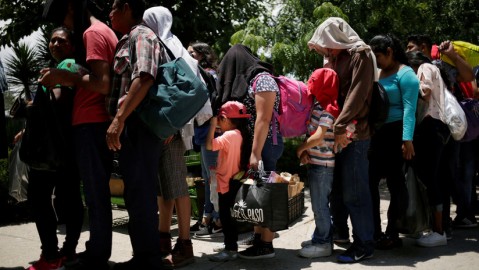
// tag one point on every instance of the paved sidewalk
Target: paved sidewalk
(19, 245)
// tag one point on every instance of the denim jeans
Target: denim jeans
(95, 164)
(208, 159)
(339, 211)
(271, 153)
(353, 164)
(320, 185)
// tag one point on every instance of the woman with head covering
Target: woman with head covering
(352, 60)
(173, 189)
(317, 151)
(392, 144)
(243, 77)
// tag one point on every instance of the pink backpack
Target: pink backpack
(295, 107)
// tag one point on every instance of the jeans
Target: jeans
(208, 159)
(95, 164)
(139, 159)
(339, 211)
(271, 153)
(353, 163)
(320, 185)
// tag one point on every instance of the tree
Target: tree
(23, 68)
(207, 20)
(282, 39)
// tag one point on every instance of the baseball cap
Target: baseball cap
(234, 109)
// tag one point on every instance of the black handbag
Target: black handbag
(262, 204)
(43, 143)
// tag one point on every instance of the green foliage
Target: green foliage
(23, 68)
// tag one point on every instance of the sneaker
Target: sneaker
(257, 252)
(181, 255)
(209, 231)
(42, 264)
(196, 227)
(69, 258)
(386, 242)
(219, 248)
(448, 232)
(316, 251)
(246, 242)
(355, 253)
(464, 223)
(432, 239)
(224, 256)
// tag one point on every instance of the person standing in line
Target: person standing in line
(391, 145)
(430, 142)
(458, 165)
(232, 120)
(352, 60)
(205, 226)
(94, 48)
(63, 184)
(138, 56)
(173, 189)
(243, 77)
(317, 153)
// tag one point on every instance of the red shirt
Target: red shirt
(89, 106)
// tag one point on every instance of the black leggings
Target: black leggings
(55, 198)
(386, 161)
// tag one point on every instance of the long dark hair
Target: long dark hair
(381, 43)
(417, 58)
(209, 59)
(242, 125)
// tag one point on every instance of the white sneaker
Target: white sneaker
(316, 251)
(306, 243)
(432, 239)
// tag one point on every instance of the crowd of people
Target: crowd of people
(346, 156)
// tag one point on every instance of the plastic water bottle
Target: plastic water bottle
(350, 129)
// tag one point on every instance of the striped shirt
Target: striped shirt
(322, 154)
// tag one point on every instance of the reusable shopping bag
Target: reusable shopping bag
(262, 204)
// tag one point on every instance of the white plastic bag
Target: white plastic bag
(454, 116)
(213, 192)
(17, 176)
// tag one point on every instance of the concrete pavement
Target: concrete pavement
(19, 245)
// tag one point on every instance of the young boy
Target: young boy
(317, 151)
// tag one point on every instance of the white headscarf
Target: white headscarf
(160, 20)
(336, 33)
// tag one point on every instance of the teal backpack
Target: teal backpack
(175, 98)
